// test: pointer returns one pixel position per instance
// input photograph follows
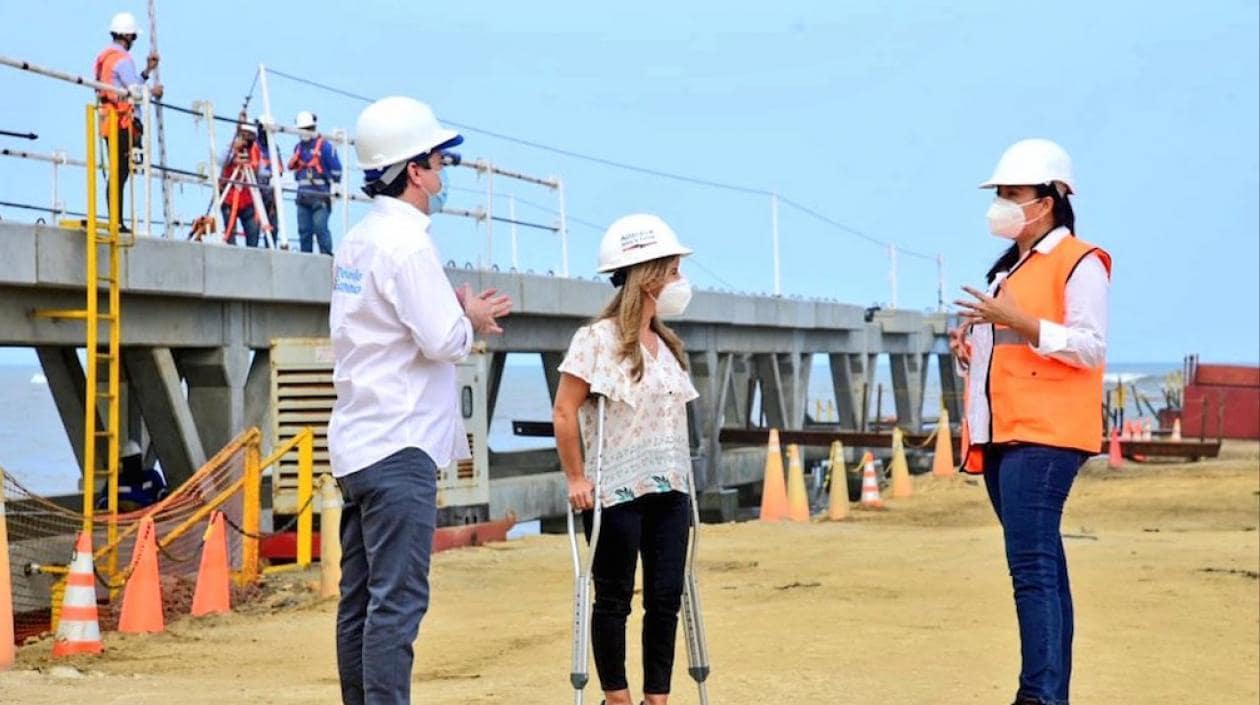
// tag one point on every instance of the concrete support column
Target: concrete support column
(68, 384)
(216, 392)
(951, 386)
(739, 397)
(498, 361)
(909, 379)
(551, 368)
(159, 393)
(851, 378)
(258, 396)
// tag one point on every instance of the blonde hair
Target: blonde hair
(626, 311)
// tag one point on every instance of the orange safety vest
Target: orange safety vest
(105, 64)
(1034, 399)
(315, 162)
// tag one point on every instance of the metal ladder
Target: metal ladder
(102, 314)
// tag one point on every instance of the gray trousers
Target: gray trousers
(386, 539)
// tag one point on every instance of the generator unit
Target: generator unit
(302, 395)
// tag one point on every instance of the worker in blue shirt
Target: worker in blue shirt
(315, 167)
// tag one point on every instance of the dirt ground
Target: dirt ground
(907, 606)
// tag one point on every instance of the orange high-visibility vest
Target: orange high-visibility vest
(105, 64)
(1034, 399)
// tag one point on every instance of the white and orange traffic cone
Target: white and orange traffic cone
(1176, 431)
(870, 484)
(79, 629)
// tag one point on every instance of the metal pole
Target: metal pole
(940, 282)
(56, 172)
(774, 240)
(167, 206)
(207, 110)
(274, 149)
(516, 264)
(564, 231)
(892, 272)
(489, 215)
(147, 101)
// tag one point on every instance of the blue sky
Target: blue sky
(882, 117)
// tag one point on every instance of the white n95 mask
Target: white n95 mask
(674, 298)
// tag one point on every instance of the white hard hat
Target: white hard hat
(124, 23)
(249, 127)
(1033, 162)
(129, 449)
(305, 120)
(395, 129)
(637, 238)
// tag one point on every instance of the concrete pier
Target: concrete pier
(198, 321)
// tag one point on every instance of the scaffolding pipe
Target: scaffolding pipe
(271, 126)
(62, 76)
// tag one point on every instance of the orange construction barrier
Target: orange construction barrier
(902, 485)
(870, 484)
(78, 630)
(142, 600)
(838, 500)
(6, 590)
(797, 499)
(774, 504)
(1115, 459)
(213, 594)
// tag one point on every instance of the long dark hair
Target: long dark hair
(1063, 217)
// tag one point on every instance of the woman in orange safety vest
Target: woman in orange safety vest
(1033, 350)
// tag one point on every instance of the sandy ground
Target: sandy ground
(907, 606)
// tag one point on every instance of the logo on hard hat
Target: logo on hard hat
(637, 240)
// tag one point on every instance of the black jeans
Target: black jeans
(125, 140)
(654, 527)
(386, 539)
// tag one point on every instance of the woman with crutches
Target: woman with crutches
(625, 379)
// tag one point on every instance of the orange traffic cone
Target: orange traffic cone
(1115, 460)
(902, 485)
(797, 499)
(870, 485)
(78, 631)
(213, 595)
(1126, 433)
(6, 592)
(1176, 432)
(774, 504)
(838, 499)
(943, 458)
(142, 600)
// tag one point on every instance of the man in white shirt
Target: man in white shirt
(397, 329)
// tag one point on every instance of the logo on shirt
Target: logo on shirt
(348, 280)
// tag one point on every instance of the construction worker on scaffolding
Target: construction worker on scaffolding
(238, 181)
(397, 329)
(315, 167)
(115, 67)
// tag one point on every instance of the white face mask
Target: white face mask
(1006, 217)
(673, 299)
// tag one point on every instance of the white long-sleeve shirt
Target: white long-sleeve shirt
(397, 330)
(1080, 341)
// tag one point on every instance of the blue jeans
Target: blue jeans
(1028, 486)
(386, 539)
(313, 222)
(244, 216)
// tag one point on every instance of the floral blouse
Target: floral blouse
(646, 446)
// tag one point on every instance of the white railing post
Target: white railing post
(940, 282)
(564, 231)
(274, 149)
(892, 272)
(516, 264)
(146, 100)
(207, 111)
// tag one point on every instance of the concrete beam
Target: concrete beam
(257, 393)
(909, 379)
(851, 377)
(951, 386)
(216, 392)
(158, 390)
(551, 368)
(68, 384)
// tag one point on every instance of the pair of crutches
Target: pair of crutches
(693, 621)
